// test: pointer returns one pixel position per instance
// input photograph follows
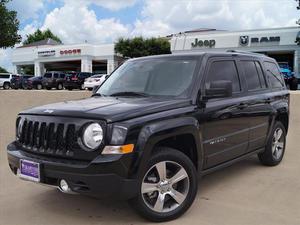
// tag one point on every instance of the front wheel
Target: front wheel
(168, 187)
(275, 147)
(39, 86)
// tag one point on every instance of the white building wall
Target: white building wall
(87, 53)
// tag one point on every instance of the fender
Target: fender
(279, 108)
(152, 133)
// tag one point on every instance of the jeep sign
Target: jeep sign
(203, 43)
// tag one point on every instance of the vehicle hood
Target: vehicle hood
(110, 109)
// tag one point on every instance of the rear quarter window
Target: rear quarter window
(274, 75)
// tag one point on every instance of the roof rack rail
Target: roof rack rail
(246, 52)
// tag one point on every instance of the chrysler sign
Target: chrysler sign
(46, 53)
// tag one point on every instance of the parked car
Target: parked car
(95, 80)
(5, 79)
(34, 83)
(75, 80)
(20, 82)
(154, 127)
(53, 79)
(290, 80)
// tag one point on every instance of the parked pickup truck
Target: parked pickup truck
(154, 127)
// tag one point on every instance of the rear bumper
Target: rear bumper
(68, 84)
(103, 177)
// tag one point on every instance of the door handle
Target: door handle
(268, 100)
(242, 106)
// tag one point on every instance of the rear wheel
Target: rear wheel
(168, 187)
(6, 85)
(59, 86)
(275, 148)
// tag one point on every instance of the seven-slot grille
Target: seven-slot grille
(47, 137)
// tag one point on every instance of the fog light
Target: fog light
(64, 186)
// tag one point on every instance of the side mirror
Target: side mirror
(95, 89)
(219, 89)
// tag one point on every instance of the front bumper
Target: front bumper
(105, 176)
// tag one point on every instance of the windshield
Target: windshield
(155, 77)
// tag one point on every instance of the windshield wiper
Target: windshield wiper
(97, 94)
(130, 93)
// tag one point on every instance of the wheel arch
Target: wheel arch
(172, 133)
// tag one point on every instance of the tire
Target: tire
(294, 84)
(275, 148)
(39, 86)
(6, 86)
(90, 89)
(185, 189)
(70, 89)
(59, 86)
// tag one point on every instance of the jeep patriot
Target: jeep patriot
(154, 127)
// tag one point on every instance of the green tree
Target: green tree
(2, 70)
(138, 47)
(39, 35)
(9, 26)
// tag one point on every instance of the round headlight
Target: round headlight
(93, 136)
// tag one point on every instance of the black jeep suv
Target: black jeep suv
(75, 80)
(155, 126)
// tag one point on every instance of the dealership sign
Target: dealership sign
(203, 43)
(244, 40)
(46, 53)
(70, 52)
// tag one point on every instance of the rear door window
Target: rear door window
(224, 70)
(252, 76)
(56, 75)
(261, 75)
(273, 75)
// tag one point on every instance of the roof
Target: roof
(187, 54)
(48, 41)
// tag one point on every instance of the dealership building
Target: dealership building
(278, 43)
(48, 55)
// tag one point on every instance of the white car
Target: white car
(5, 80)
(94, 80)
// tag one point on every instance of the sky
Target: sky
(104, 21)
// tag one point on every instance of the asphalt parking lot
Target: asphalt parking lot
(245, 193)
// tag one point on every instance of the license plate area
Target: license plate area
(29, 170)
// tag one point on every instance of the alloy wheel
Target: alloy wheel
(165, 186)
(278, 144)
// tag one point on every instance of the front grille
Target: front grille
(49, 138)
(53, 136)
